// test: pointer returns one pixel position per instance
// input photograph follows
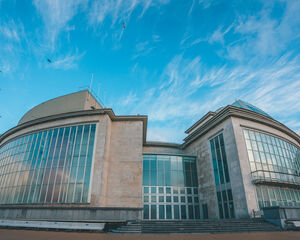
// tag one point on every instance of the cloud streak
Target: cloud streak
(69, 61)
(56, 15)
(187, 90)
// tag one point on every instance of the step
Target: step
(200, 226)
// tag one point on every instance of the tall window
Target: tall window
(277, 196)
(222, 179)
(170, 187)
(275, 160)
(272, 158)
(51, 166)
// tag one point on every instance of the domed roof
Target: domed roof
(241, 104)
(78, 101)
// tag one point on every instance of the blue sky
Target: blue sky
(174, 61)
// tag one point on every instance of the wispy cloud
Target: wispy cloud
(12, 41)
(262, 35)
(56, 15)
(131, 98)
(182, 92)
(119, 10)
(69, 61)
(11, 31)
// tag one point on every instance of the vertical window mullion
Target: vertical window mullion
(58, 160)
(71, 163)
(40, 168)
(51, 168)
(63, 171)
(34, 167)
(78, 160)
(45, 167)
(28, 167)
(85, 162)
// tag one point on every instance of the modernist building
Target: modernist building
(70, 158)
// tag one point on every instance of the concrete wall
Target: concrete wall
(124, 166)
(161, 150)
(73, 213)
(238, 125)
(201, 148)
(78, 101)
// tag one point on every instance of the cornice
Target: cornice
(232, 111)
(61, 116)
(162, 144)
(190, 129)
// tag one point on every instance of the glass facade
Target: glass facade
(170, 187)
(272, 158)
(277, 196)
(222, 178)
(51, 166)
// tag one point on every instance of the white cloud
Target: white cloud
(181, 96)
(11, 31)
(131, 98)
(261, 35)
(119, 10)
(69, 61)
(12, 41)
(56, 14)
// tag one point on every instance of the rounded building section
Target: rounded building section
(274, 166)
(68, 165)
(48, 166)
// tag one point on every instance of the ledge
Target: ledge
(61, 116)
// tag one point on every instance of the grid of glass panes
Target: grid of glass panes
(51, 166)
(272, 158)
(275, 196)
(222, 179)
(170, 187)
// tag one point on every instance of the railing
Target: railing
(275, 178)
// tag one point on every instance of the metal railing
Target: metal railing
(280, 178)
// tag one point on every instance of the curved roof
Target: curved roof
(78, 101)
(241, 104)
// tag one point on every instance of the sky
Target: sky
(174, 60)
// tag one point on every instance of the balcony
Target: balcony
(275, 178)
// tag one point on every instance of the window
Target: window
(50, 166)
(222, 179)
(174, 187)
(274, 160)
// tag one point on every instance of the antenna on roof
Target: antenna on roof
(91, 82)
(98, 92)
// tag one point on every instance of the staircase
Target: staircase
(130, 228)
(201, 226)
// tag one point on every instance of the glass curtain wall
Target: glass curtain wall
(272, 158)
(51, 166)
(170, 187)
(276, 196)
(222, 179)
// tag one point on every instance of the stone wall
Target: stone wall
(201, 149)
(70, 213)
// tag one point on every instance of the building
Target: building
(69, 158)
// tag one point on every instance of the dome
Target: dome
(248, 106)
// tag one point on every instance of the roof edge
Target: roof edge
(210, 113)
(108, 111)
(162, 144)
(233, 111)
